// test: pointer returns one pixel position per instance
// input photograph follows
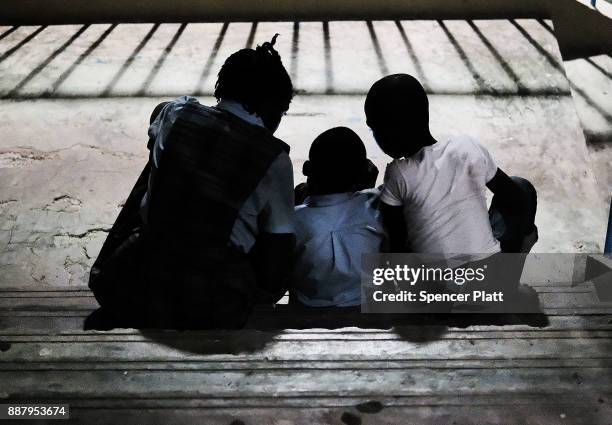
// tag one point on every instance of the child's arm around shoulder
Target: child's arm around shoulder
(391, 206)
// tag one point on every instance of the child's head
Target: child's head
(397, 111)
(337, 162)
(258, 80)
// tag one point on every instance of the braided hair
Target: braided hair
(256, 78)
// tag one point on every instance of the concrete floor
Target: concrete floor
(591, 78)
(76, 101)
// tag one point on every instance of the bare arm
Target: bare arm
(508, 194)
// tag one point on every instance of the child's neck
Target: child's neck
(428, 140)
(318, 191)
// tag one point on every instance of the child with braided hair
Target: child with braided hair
(216, 228)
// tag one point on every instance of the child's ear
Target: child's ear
(369, 174)
(306, 168)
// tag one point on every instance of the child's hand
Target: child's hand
(301, 193)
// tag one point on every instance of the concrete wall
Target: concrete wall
(580, 30)
(79, 11)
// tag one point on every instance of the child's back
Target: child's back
(337, 223)
(441, 189)
(333, 231)
(433, 200)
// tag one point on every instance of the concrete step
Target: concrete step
(554, 300)
(421, 370)
(508, 410)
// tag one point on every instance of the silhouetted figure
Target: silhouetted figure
(337, 223)
(433, 199)
(208, 229)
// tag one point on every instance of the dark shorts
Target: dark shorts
(514, 233)
(141, 293)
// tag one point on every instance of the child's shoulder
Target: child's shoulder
(300, 209)
(369, 194)
(304, 218)
(181, 101)
(464, 142)
(367, 199)
(465, 147)
(397, 168)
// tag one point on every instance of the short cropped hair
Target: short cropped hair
(337, 159)
(256, 78)
(397, 98)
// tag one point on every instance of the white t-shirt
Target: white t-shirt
(442, 190)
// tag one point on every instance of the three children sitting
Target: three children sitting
(433, 199)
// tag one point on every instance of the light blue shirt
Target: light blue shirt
(333, 231)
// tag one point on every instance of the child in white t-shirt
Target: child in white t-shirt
(433, 199)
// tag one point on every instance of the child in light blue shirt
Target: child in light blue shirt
(337, 223)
